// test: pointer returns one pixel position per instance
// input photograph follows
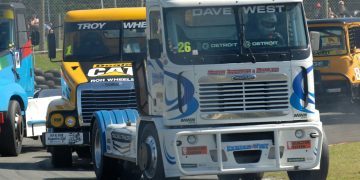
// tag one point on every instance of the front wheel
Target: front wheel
(319, 174)
(104, 167)
(150, 159)
(12, 131)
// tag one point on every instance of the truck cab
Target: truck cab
(100, 46)
(16, 75)
(230, 92)
(336, 62)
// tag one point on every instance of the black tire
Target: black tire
(57, 80)
(38, 72)
(149, 132)
(320, 174)
(41, 86)
(50, 83)
(104, 167)
(12, 131)
(40, 80)
(61, 156)
(55, 72)
(83, 152)
(49, 76)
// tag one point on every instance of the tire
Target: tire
(104, 167)
(151, 168)
(319, 174)
(40, 80)
(55, 72)
(83, 152)
(49, 76)
(41, 86)
(12, 131)
(38, 72)
(61, 156)
(57, 80)
(50, 83)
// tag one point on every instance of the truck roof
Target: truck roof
(197, 3)
(333, 21)
(12, 5)
(107, 14)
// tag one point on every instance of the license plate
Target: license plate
(64, 138)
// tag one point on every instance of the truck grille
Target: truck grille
(94, 100)
(244, 96)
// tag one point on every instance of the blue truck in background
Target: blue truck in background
(16, 75)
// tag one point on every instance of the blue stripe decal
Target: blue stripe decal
(299, 95)
(170, 159)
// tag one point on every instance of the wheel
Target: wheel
(12, 131)
(83, 152)
(104, 167)
(150, 159)
(48, 75)
(38, 72)
(319, 174)
(61, 156)
(40, 80)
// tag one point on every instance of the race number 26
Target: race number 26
(184, 47)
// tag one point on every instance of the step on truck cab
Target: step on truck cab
(336, 62)
(230, 92)
(99, 48)
(16, 75)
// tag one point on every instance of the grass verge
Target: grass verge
(344, 163)
(43, 62)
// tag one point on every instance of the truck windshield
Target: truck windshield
(332, 41)
(5, 34)
(104, 41)
(228, 34)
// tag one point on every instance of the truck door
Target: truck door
(22, 55)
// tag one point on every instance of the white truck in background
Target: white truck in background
(227, 89)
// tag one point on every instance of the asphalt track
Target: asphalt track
(341, 122)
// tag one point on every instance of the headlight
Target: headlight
(57, 120)
(299, 133)
(70, 121)
(192, 139)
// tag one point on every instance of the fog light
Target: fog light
(192, 139)
(299, 133)
(57, 120)
(70, 121)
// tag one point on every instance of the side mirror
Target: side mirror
(35, 38)
(315, 40)
(51, 45)
(154, 48)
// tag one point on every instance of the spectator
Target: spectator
(343, 12)
(331, 13)
(317, 12)
(34, 22)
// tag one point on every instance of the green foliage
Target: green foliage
(43, 62)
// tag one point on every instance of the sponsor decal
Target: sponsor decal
(293, 145)
(263, 9)
(119, 69)
(299, 159)
(196, 150)
(188, 120)
(111, 80)
(244, 77)
(264, 43)
(134, 25)
(243, 71)
(121, 142)
(90, 26)
(300, 115)
(189, 165)
(212, 11)
(256, 146)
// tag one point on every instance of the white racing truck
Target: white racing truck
(227, 90)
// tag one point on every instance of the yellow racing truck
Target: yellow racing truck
(99, 48)
(336, 62)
